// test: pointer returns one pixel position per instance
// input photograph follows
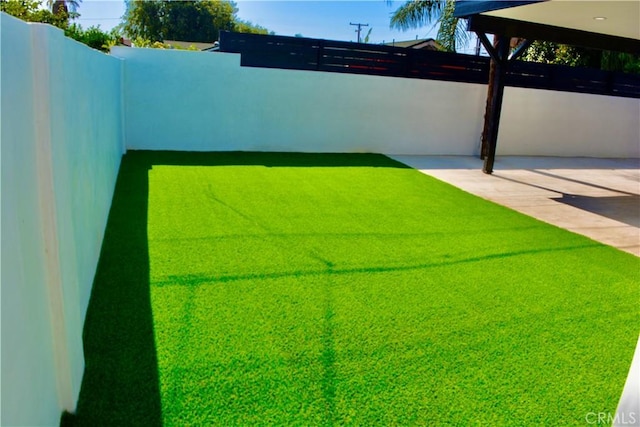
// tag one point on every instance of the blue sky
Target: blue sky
(328, 19)
(318, 19)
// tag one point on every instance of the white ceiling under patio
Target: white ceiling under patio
(620, 18)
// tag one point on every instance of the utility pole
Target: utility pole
(359, 28)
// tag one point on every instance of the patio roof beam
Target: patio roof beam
(487, 45)
(480, 20)
(520, 50)
(495, 94)
(517, 53)
(534, 31)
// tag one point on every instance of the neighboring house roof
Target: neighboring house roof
(187, 45)
(426, 44)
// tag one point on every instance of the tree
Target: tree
(247, 27)
(30, 11)
(553, 53)
(417, 13)
(93, 37)
(620, 61)
(196, 21)
(63, 6)
(368, 36)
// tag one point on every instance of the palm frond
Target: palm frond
(416, 13)
(452, 31)
(70, 5)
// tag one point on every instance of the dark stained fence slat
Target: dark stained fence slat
(280, 61)
(573, 79)
(298, 53)
(280, 56)
(271, 52)
(623, 84)
(362, 61)
(528, 75)
(446, 66)
(363, 47)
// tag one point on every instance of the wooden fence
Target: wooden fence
(297, 53)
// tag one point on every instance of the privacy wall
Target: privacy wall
(538, 122)
(180, 100)
(177, 100)
(62, 140)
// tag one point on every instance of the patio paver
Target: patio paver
(598, 198)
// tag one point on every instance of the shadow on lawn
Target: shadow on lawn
(271, 159)
(120, 384)
(191, 280)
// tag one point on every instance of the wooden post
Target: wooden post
(487, 109)
(495, 94)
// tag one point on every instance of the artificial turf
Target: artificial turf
(344, 289)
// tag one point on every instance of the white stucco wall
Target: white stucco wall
(29, 394)
(550, 123)
(62, 140)
(177, 100)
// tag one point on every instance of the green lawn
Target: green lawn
(308, 289)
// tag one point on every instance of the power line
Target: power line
(359, 28)
(97, 19)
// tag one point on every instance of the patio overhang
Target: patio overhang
(534, 31)
(599, 24)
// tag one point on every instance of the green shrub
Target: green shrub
(93, 37)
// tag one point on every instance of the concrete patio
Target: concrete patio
(598, 198)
